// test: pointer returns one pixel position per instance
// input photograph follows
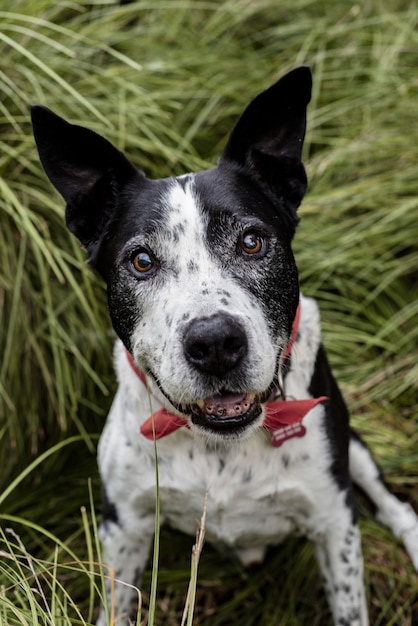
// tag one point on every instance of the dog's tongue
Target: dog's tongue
(227, 405)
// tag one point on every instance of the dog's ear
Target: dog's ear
(268, 138)
(85, 168)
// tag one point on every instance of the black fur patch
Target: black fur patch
(109, 511)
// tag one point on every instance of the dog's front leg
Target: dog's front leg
(340, 560)
(125, 554)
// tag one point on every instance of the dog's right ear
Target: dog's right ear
(86, 169)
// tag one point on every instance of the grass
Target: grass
(165, 80)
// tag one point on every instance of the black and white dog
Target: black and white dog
(215, 337)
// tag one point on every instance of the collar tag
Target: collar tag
(280, 435)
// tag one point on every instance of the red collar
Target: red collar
(282, 419)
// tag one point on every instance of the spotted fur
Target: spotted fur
(203, 290)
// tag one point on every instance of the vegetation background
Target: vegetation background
(165, 80)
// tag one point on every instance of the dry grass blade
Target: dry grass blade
(196, 552)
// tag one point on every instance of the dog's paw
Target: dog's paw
(401, 518)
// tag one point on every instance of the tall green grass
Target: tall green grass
(165, 81)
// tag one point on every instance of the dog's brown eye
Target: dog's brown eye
(142, 262)
(252, 243)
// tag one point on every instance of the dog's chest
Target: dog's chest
(252, 496)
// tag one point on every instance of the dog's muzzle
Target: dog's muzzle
(229, 413)
(216, 346)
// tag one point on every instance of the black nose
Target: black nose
(216, 344)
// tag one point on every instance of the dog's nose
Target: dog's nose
(216, 344)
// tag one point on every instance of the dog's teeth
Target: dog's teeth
(227, 406)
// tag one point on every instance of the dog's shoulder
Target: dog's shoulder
(304, 350)
(311, 374)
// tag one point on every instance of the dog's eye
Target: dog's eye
(142, 262)
(252, 243)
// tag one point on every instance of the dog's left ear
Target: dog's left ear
(268, 138)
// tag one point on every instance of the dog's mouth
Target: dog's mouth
(227, 413)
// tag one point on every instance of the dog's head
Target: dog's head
(202, 283)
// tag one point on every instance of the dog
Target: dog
(219, 356)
